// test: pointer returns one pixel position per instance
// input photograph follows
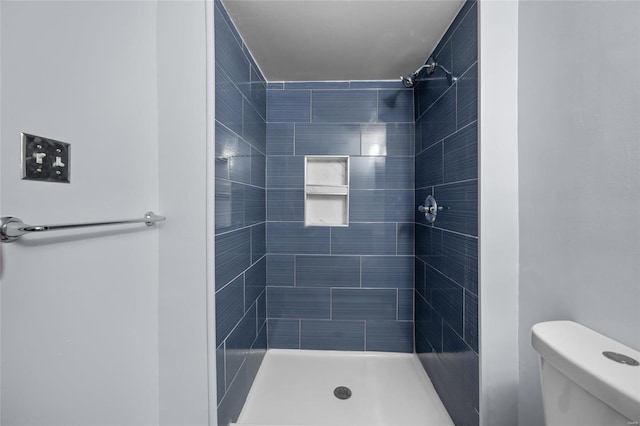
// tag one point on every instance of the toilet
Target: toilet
(582, 386)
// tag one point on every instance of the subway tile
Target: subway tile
(332, 335)
(381, 205)
(285, 205)
(254, 283)
(405, 241)
(258, 93)
(363, 304)
(327, 139)
(228, 104)
(229, 205)
(428, 323)
(471, 320)
(395, 106)
(298, 303)
(327, 271)
(382, 173)
(461, 155)
(465, 42)
(289, 106)
(233, 255)
(254, 205)
(238, 344)
(440, 119)
(280, 270)
(462, 364)
(389, 336)
(258, 242)
(420, 277)
(378, 84)
(461, 203)
(284, 334)
(344, 106)
(429, 170)
(254, 128)
(387, 271)
(389, 139)
(405, 304)
(446, 297)
(220, 379)
(295, 238)
(467, 87)
(229, 308)
(316, 85)
(364, 239)
(280, 138)
(258, 168)
(285, 172)
(232, 156)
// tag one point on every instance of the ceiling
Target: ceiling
(311, 40)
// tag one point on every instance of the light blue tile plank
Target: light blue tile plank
(364, 239)
(298, 303)
(461, 201)
(238, 344)
(232, 156)
(229, 57)
(382, 173)
(285, 172)
(229, 308)
(254, 128)
(229, 205)
(254, 283)
(405, 238)
(289, 106)
(381, 205)
(344, 106)
(285, 205)
(258, 242)
(233, 255)
(228, 104)
(327, 139)
(381, 84)
(316, 85)
(258, 93)
(468, 97)
(440, 119)
(280, 270)
(254, 205)
(461, 155)
(284, 334)
(280, 138)
(388, 271)
(363, 304)
(465, 42)
(332, 335)
(405, 305)
(295, 238)
(327, 271)
(390, 139)
(275, 85)
(395, 106)
(446, 297)
(258, 168)
(390, 336)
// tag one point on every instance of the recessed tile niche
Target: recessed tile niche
(326, 194)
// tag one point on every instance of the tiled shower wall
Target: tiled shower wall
(447, 251)
(240, 261)
(341, 288)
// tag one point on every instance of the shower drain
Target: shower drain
(342, 392)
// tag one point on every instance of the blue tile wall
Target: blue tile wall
(446, 252)
(240, 217)
(341, 288)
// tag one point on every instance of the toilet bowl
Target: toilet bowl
(582, 386)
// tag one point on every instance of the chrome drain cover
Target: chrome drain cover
(342, 392)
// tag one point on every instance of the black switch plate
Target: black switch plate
(45, 159)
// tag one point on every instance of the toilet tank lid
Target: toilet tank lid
(576, 351)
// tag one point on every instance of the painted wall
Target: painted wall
(240, 261)
(446, 262)
(341, 288)
(80, 309)
(579, 155)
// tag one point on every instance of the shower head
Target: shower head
(409, 81)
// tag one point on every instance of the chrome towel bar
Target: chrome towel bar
(12, 228)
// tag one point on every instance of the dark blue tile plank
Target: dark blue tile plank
(327, 271)
(468, 97)
(462, 364)
(258, 242)
(465, 42)
(261, 312)
(220, 380)
(418, 135)
(405, 241)
(295, 238)
(285, 172)
(420, 200)
(255, 356)
(289, 106)
(382, 173)
(420, 277)
(432, 86)
(280, 270)
(232, 156)
(381, 205)
(428, 243)
(429, 166)
(344, 106)
(471, 320)
(440, 119)
(280, 138)
(275, 85)
(231, 405)
(364, 238)
(229, 57)
(390, 336)
(428, 323)
(332, 335)
(254, 283)
(254, 205)
(390, 139)
(233, 255)
(254, 128)
(284, 334)
(378, 84)
(327, 139)
(285, 205)
(395, 106)
(326, 85)
(446, 297)
(363, 304)
(461, 155)
(388, 272)
(405, 305)
(228, 104)
(238, 344)
(258, 168)
(221, 13)
(461, 202)
(298, 303)
(258, 93)
(455, 256)
(229, 308)
(229, 205)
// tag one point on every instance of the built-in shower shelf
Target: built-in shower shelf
(326, 195)
(328, 189)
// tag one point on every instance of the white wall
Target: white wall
(80, 313)
(579, 141)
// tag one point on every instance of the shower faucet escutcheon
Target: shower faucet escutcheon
(430, 209)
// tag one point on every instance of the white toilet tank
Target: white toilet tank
(580, 385)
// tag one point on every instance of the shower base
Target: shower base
(296, 387)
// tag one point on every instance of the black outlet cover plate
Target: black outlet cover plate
(45, 159)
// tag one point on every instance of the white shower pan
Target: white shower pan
(296, 387)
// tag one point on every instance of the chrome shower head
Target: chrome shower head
(407, 81)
